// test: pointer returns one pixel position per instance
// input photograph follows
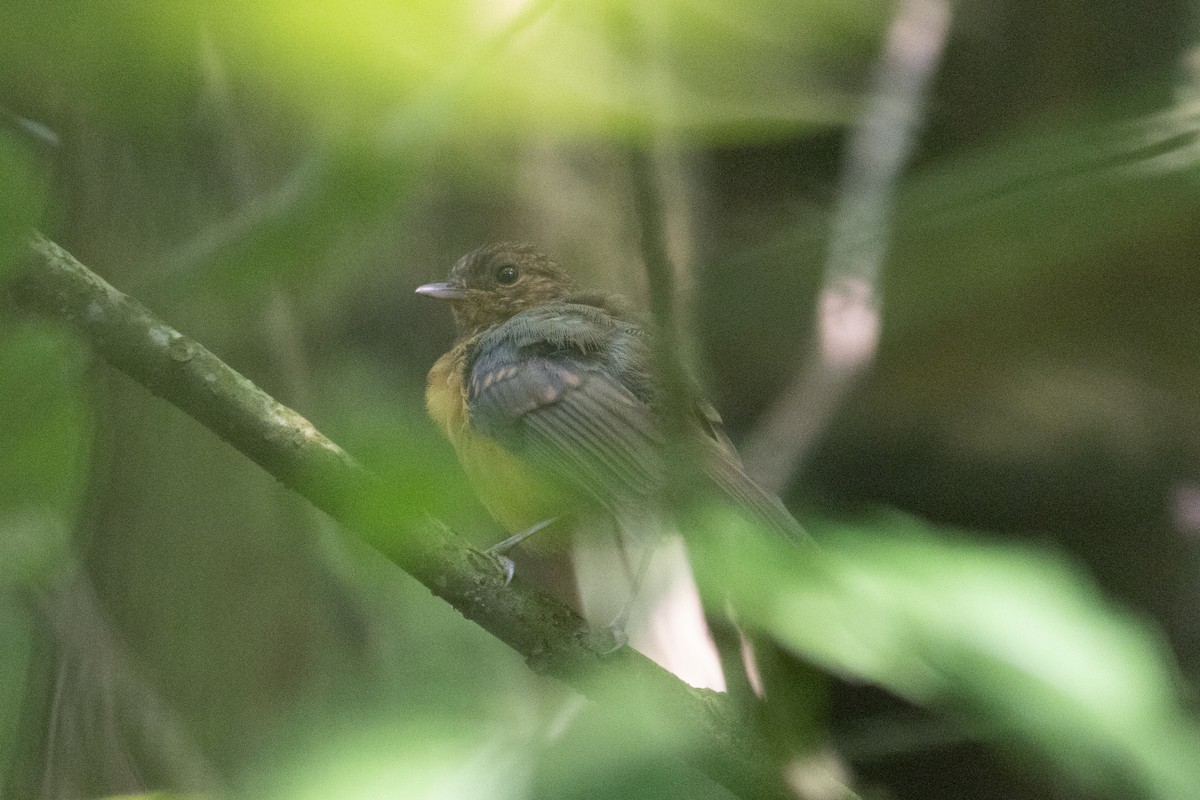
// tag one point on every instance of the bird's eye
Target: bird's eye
(506, 275)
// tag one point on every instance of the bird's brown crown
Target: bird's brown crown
(497, 281)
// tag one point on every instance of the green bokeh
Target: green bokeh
(43, 459)
(21, 198)
(43, 447)
(1014, 643)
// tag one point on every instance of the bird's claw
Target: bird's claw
(619, 636)
(497, 551)
(503, 562)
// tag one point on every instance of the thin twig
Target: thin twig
(554, 640)
(848, 310)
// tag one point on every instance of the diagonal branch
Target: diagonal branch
(553, 639)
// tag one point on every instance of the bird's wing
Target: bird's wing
(566, 408)
(567, 388)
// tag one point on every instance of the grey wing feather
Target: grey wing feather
(565, 413)
(602, 438)
(589, 421)
(731, 477)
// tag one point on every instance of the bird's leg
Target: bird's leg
(621, 621)
(503, 547)
(635, 586)
(499, 551)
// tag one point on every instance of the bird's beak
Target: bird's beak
(443, 291)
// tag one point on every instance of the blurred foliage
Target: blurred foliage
(275, 178)
(21, 197)
(1013, 641)
(45, 422)
(45, 445)
(625, 745)
(44, 408)
(571, 67)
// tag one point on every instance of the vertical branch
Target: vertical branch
(668, 343)
(644, 40)
(849, 307)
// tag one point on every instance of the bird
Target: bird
(550, 400)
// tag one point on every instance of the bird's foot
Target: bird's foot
(498, 552)
(619, 638)
(504, 563)
(618, 630)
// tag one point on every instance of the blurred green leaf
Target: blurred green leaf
(21, 199)
(43, 448)
(122, 61)
(1015, 642)
(44, 427)
(604, 66)
(625, 746)
(412, 758)
(539, 741)
(384, 424)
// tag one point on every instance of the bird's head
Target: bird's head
(496, 281)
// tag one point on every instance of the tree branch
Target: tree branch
(849, 317)
(552, 638)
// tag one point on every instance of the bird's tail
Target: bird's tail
(730, 476)
(643, 575)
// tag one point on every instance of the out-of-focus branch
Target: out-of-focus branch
(848, 309)
(668, 343)
(553, 639)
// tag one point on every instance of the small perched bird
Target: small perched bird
(550, 401)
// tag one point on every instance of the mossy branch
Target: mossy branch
(553, 639)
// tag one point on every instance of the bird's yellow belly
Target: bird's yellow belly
(513, 491)
(516, 493)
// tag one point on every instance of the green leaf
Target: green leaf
(1015, 642)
